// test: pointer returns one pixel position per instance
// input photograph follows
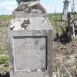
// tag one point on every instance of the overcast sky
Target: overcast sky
(7, 6)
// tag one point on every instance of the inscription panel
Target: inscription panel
(29, 53)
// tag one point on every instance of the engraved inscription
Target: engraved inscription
(29, 53)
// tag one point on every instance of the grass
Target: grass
(4, 63)
(4, 22)
(3, 30)
(4, 59)
(5, 18)
(55, 20)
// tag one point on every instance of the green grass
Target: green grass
(3, 30)
(55, 20)
(4, 59)
(6, 18)
(4, 63)
(4, 22)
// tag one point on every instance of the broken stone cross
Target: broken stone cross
(30, 41)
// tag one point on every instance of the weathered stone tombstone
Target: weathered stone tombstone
(65, 9)
(30, 41)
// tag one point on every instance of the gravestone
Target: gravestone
(30, 41)
(65, 9)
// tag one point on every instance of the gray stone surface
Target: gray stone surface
(31, 51)
(30, 45)
(34, 56)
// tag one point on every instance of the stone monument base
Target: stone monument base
(30, 41)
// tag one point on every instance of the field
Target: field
(4, 22)
(64, 51)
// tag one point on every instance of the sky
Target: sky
(7, 6)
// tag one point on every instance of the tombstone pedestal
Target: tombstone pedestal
(30, 42)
